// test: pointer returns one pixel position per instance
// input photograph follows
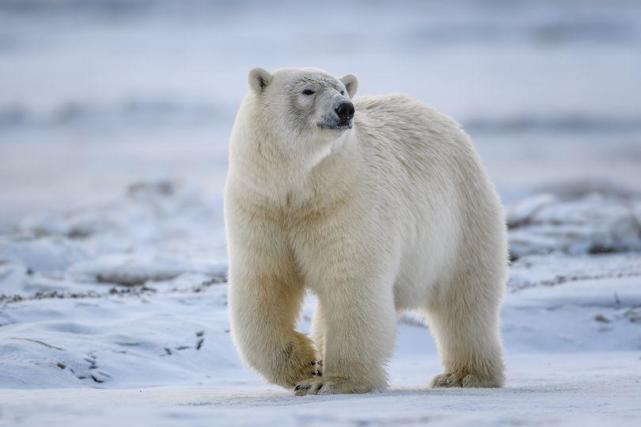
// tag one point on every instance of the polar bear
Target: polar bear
(374, 204)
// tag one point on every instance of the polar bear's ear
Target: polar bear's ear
(259, 79)
(351, 84)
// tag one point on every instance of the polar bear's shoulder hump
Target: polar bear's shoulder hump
(399, 108)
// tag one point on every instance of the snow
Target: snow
(128, 320)
(614, 227)
(114, 118)
(562, 391)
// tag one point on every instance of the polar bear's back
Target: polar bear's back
(406, 124)
(418, 145)
(425, 169)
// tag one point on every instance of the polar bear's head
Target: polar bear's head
(304, 103)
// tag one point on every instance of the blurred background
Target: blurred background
(98, 94)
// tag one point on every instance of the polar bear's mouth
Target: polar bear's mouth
(336, 125)
(341, 118)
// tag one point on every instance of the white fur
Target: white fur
(394, 214)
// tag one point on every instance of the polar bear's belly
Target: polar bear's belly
(428, 262)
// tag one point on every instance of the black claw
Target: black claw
(298, 387)
(318, 374)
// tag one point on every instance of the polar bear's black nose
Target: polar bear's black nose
(345, 111)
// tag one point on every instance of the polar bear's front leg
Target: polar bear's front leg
(263, 314)
(358, 337)
(265, 296)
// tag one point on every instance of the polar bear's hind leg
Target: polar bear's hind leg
(465, 325)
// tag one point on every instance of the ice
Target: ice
(154, 232)
(594, 223)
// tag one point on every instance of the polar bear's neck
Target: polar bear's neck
(322, 151)
(318, 174)
(271, 175)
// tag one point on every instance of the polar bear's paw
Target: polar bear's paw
(300, 362)
(465, 378)
(330, 385)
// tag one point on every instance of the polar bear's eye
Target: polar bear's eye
(308, 92)
(342, 92)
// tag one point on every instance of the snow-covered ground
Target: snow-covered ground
(118, 312)
(114, 116)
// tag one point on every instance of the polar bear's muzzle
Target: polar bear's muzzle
(345, 113)
(342, 117)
